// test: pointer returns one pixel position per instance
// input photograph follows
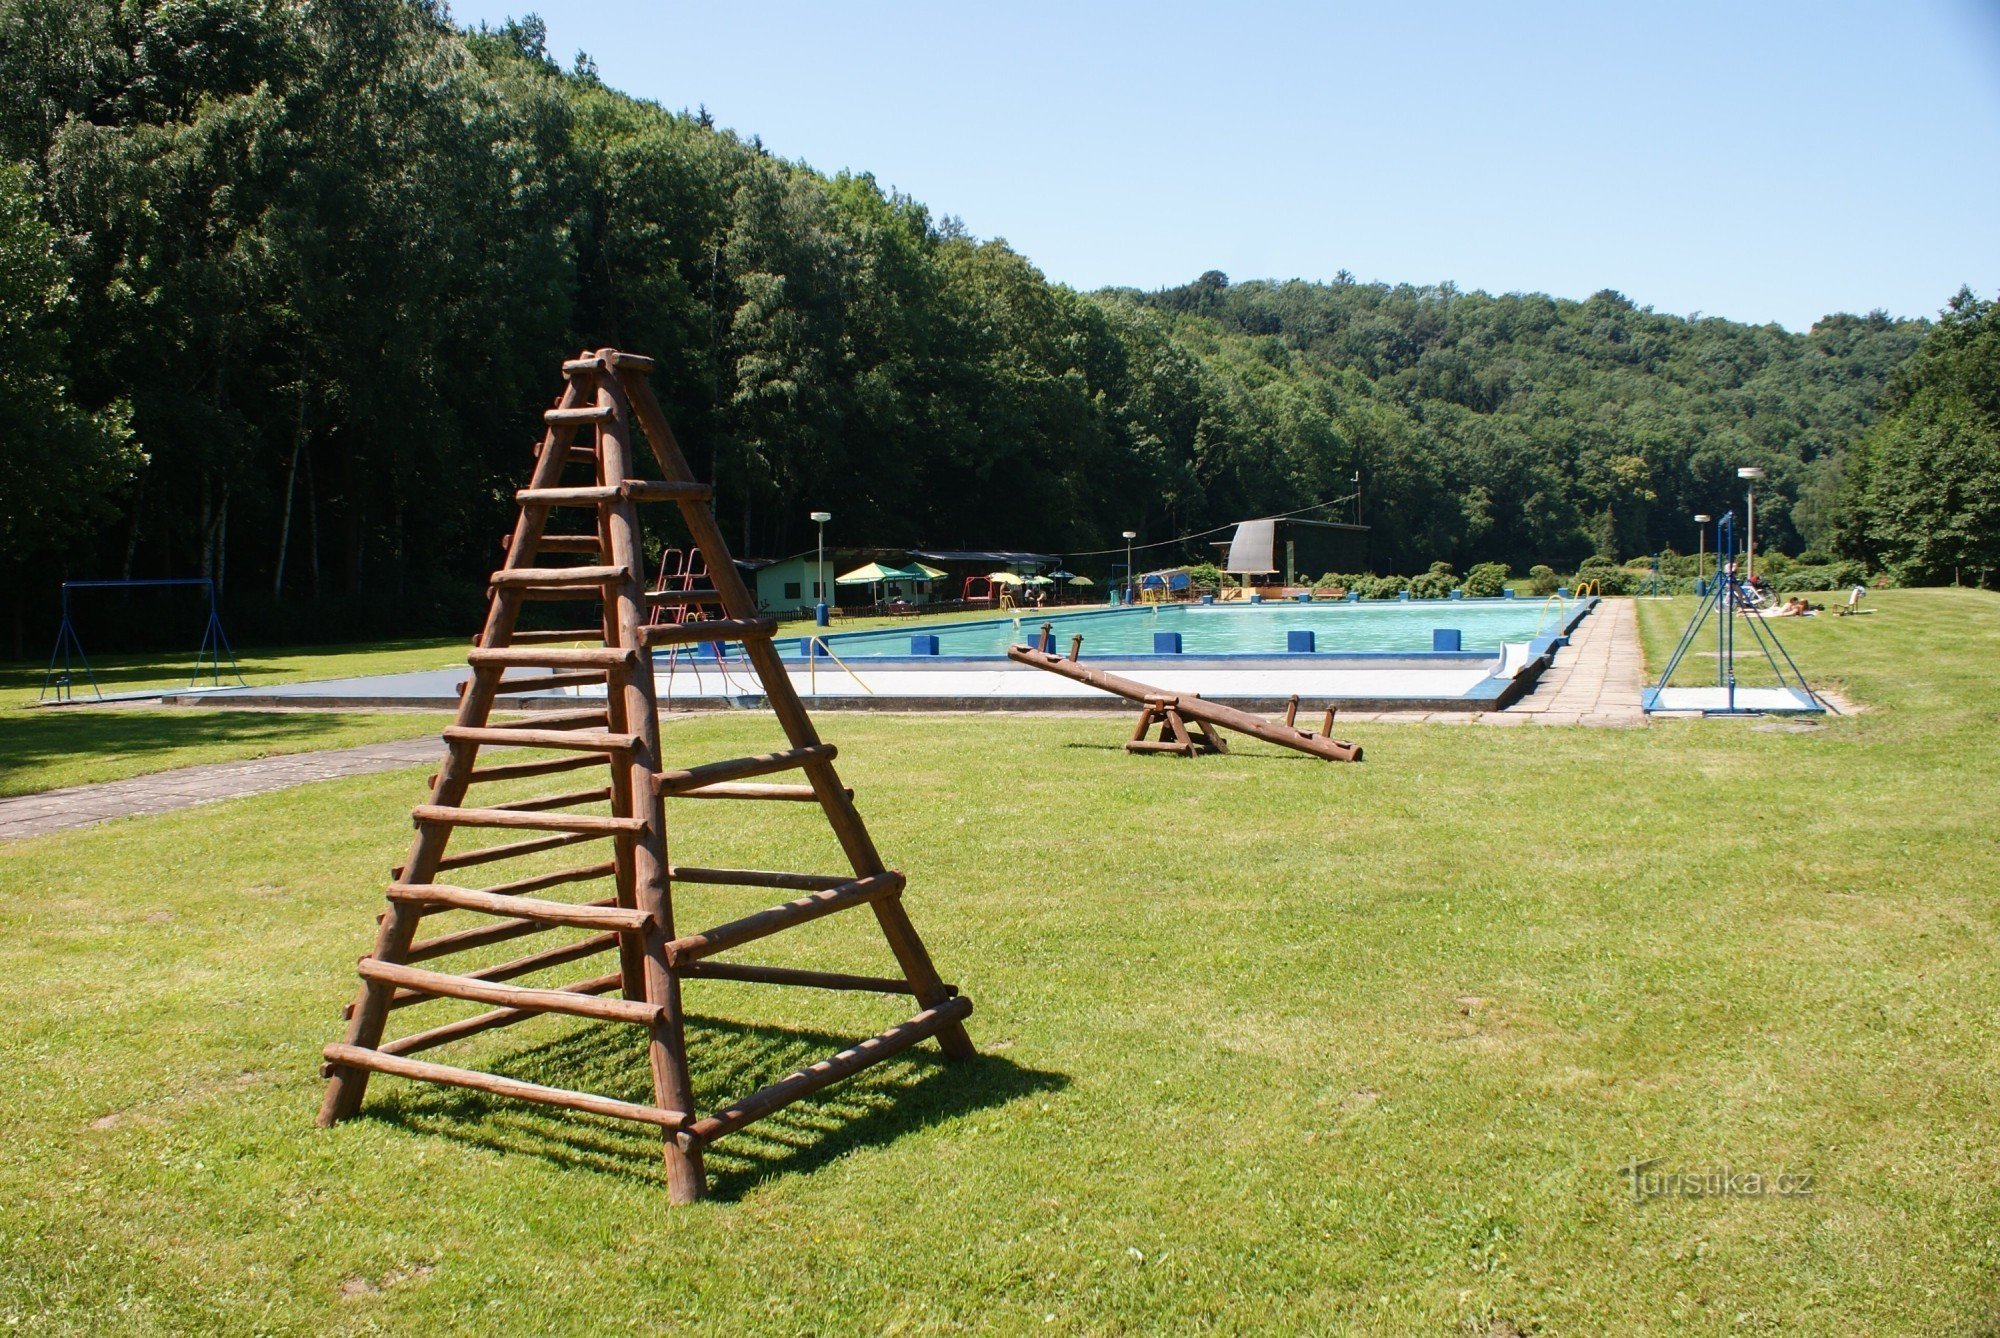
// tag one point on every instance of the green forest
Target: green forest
(283, 287)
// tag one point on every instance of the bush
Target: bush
(1486, 580)
(1205, 576)
(1596, 560)
(1542, 580)
(1433, 584)
(1606, 580)
(1828, 576)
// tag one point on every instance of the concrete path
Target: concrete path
(165, 791)
(1596, 679)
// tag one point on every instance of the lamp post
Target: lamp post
(1701, 550)
(820, 518)
(1130, 535)
(1750, 474)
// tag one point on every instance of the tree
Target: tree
(1923, 487)
(64, 467)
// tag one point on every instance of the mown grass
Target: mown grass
(46, 748)
(1266, 1044)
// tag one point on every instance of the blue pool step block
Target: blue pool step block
(1299, 642)
(926, 644)
(1166, 643)
(1508, 593)
(1444, 638)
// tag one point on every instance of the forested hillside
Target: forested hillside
(287, 282)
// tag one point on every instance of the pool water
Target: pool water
(1383, 627)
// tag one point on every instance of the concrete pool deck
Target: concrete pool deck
(1468, 683)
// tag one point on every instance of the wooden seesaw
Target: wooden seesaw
(1172, 712)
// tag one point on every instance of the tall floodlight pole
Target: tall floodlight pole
(820, 518)
(1130, 535)
(1750, 474)
(1701, 550)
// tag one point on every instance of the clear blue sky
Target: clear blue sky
(1763, 161)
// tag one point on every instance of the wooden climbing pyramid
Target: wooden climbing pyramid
(591, 428)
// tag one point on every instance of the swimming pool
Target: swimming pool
(1384, 627)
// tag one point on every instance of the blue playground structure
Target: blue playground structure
(69, 647)
(1727, 600)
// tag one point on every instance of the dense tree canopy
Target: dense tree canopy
(1923, 485)
(322, 259)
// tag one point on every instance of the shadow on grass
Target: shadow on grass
(729, 1061)
(33, 740)
(1270, 752)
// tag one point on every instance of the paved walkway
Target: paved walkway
(165, 791)
(1596, 679)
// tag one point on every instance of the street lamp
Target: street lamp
(1750, 474)
(820, 518)
(1701, 548)
(1130, 535)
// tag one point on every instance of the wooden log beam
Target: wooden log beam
(808, 1080)
(800, 882)
(578, 951)
(788, 975)
(541, 822)
(512, 736)
(715, 629)
(443, 896)
(683, 779)
(512, 996)
(1193, 708)
(481, 936)
(857, 892)
(382, 1061)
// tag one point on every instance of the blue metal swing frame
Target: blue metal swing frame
(69, 646)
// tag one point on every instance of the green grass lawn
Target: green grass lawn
(1266, 1044)
(45, 748)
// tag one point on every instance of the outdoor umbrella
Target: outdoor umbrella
(1003, 578)
(1081, 580)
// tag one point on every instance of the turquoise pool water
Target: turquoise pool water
(1383, 627)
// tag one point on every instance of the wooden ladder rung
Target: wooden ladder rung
(538, 638)
(589, 413)
(573, 678)
(582, 740)
(857, 892)
(514, 850)
(792, 882)
(512, 996)
(718, 629)
(680, 597)
(598, 494)
(448, 1032)
(682, 780)
(537, 803)
(575, 657)
(483, 936)
(802, 794)
(581, 950)
(570, 543)
(539, 822)
(554, 720)
(381, 1061)
(528, 770)
(545, 577)
(852, 1060)
(443, 895)
(791, 975)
